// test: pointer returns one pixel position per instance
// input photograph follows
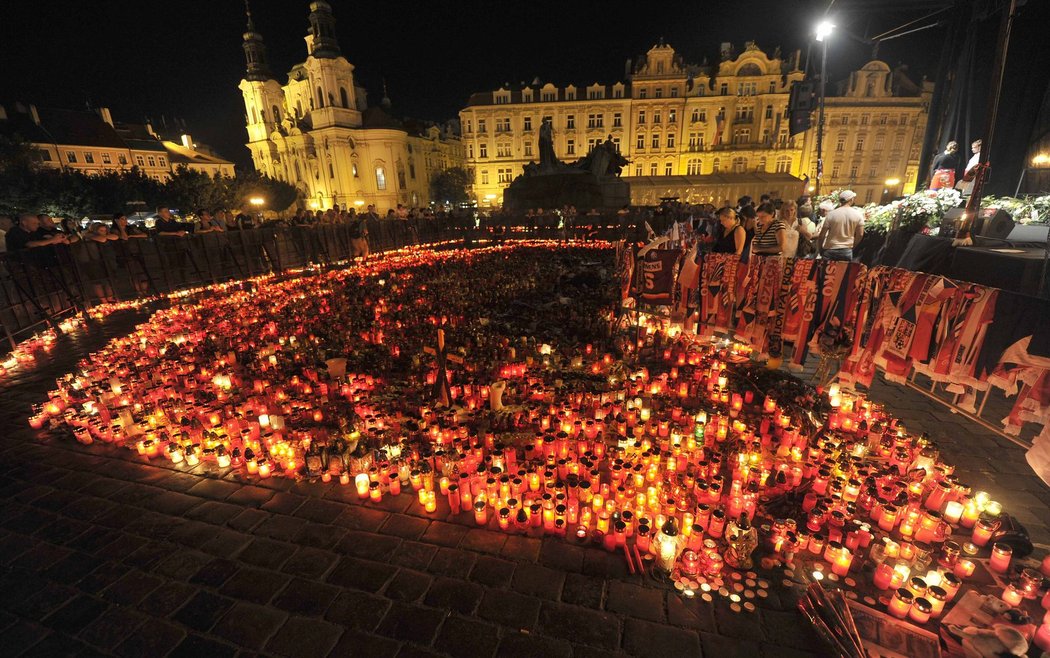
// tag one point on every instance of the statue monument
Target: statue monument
(593, 181)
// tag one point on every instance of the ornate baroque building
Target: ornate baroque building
(706, 133)
(318, 133)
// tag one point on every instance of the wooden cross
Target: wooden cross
(442, 390)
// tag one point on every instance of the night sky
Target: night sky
(153, 58)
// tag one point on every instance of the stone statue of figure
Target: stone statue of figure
(547, 157)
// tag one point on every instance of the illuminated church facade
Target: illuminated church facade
(318, 133)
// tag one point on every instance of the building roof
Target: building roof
(377, 117)
(78, 128)
(144, 145)
(19, 123)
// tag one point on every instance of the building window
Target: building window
(71, 157)
(864, 120)
(844, 121)
(883, 119)
(617, 93)
(616, 143)
(484, 176)
(617, 120)
(570, 147)
(344, 100)
(879, 142)
(503, 125)
(853, 173)
(570, 122)
(89, 157)
(693, 167)
(526, 123)
(641, 117)
(320, 98)
(860, 144)
(724, 89)
(570, 94)
(592, 121)
(548, 96)
(161, 162)
(741, 135)
(672, 116)
(716, 164)
(380, 178)
(503, 175)
(45, 155)
(656, 117)
(659, 92)
(470, 151)
(481, 125)
(653, 168)
(638, 170)
(331, 170)
(152, 162)
(502, 150)
(783, 164)
(740, 165)
(353, 169)
(640, 145)
(696, 141)
(140, 161)
(904, 120)
(674, 92)
(873, 171)
(528, 149)
(772, 87)
(840, 145)
(835, 171)
(483, 150)
(122, 159)
(655, 141)
(769, 111)
(696, 116)
(670, 140)
(668, 169)
(642, 92)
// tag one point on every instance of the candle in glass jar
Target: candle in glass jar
(901, 603)
(953, 511)
(964, 568)
(920, 611)
(375, 493)
(883, 576)
(1001, 555)
(361, 481)
(937, 598)
(842, 562)
(344, 478)
(1012, 595)
(481, 513)
(1042, 637)
(982, 531)
(950, 583)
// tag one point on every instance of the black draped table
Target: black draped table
(1010, 268)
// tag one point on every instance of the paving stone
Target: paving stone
(587, 591)
(606, 565)
(248, 625)
(284, 528)
(215, 573)
(61, 645)
(183, 564)
(202, 611)
(213, 489)
(368, 545)
(634, 601)
(42, 556)
(738, 625)
(104, 575)
(444, 534)
(406, 527)
(111, 628)
(20, 636)
(150, 555)
(247, 495)
(367, 645)
(174, 503)
(283, 503)
(412, 651)
(254, 585)
(248, 520)
(43, 601)
(642, 638)
(539, 581)
(157, 640)
(524, 645)
(77, 613)
(776, 651)
(492, 571)
(414, 555)
(465, 637)
(320, 511)
(62, 531)
(784, 629)
(167, 598)
(690, 613)
(305, 637)
(358, 517)
(266, 553)
(720, 645)
(132, 588)
(576, 624)
(306, 597)
(452, 562)
(319, 535)
(483, 541)
(452, 594)
(357, 610)
(408, 585)
(225, 543)
(518, 547)
(361, 574)
(214, 512)
(195, 646)
(312, 563)
(411, 623)
(509, 609)
(559, 554)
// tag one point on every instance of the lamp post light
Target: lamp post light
(823, 32)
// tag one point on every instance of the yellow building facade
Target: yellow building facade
(705, 134)
(317, 132)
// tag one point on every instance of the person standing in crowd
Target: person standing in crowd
(166, 224)
(99, 232)
(842, 230)
(208, 222)
(770, 234)
(966, 184)
(793, 220)
(732, 237)
(27, 234)
(945, 167)
(123, 230)
(359, 235)
(748, 220)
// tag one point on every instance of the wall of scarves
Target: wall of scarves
(859, 320)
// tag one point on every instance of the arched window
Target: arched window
(299, 105)
(255, 116)
(320, 98)
(696, 115)
(740, 165)
(298, 173)
(693, 167)
(276, 114)
(380, 178)
(715, 165)
(344, 98)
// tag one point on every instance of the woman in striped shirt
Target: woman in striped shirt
(770, 234)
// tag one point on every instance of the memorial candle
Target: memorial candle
(982, 531)
(1001, 555)
(1012, 595)
(901, 603)
(882, 578)
(953, 511)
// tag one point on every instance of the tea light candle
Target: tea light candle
(1000, 560)
(883, 576)
(344, 478)
(1012, 595)
(964, 568)
(361, 482)
(842, 562)
(953, 511)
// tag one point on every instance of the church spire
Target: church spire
(322, 40)
(254, 50)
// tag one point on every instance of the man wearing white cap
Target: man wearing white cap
(842, 230)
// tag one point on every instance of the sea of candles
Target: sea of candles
(655, 442)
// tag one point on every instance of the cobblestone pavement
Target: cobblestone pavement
(102, 552)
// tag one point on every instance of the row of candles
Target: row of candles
(675, 462)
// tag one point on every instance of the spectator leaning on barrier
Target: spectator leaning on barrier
(842, 230)
(123, 230)
(99, 232)
(27, 234)
(166, 224)
(208, 222)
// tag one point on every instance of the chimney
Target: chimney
(187, 141)
(34, 114)
(104, 113)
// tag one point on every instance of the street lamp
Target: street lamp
(823, 32)
(257, 201)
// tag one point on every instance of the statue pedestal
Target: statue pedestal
(566, 187)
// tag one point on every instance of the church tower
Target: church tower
(332, 96)
(263, 98)
(321, 40)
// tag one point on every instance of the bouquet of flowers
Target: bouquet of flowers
(1024, 210)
